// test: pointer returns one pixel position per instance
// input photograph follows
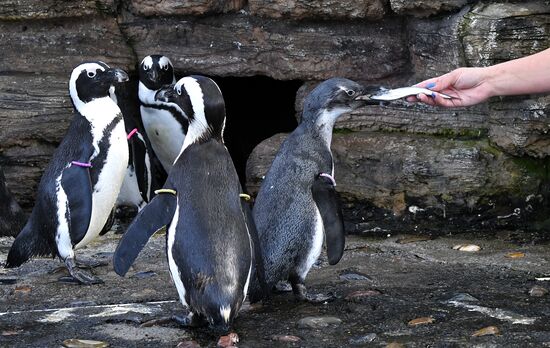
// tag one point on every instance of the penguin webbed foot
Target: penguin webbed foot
(78, 274)
(189, 320)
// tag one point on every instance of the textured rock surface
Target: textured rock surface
(245, 46)
(326, 9)
(30, 9)
(435, 44)
(41, 47)
(521, 126)
(425, 8)
(496, 32)
(193, 7)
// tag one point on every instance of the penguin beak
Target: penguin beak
(118, 75)
(365, 96)
(166, 94)
(152, 75)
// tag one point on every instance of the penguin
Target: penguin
(164, 123)
(81, 183)
(12, 217)
(297, 206)
(210, 232)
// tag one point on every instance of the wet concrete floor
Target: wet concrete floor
(382, 285)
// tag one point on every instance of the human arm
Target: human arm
(470, 86)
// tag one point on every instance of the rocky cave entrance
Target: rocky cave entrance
(257, 107)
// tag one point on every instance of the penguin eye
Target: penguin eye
(350, 92)
(91, 74)
(165, 67)
(178, 91)
(145, 67)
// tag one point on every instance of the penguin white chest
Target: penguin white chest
(165, 134)
(109, 181)
(129, 192)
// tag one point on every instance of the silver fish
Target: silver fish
(398, 93)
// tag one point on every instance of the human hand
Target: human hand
(467, 86)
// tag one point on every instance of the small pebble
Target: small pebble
(188, 344)
(78, 343)
(144, 275)
(515, 255)
(228, 341)
(318, 322)
(421, 321)
(285, 338)
(363, 339)
(463, 297)
(358, 296)
(394, 345)
(538, 291)
(354, 276)
(413, 239)
(489, 330)
(22, 290)
(11, 332)
(467, 247)
(82, 303)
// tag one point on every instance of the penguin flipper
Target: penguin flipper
(77, 184)
(328, 202)
(157, 214)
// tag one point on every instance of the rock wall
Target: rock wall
(398, 167)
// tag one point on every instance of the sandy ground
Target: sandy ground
(382, 285)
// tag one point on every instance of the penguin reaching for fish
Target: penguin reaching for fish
(297, 207)
(80, 185)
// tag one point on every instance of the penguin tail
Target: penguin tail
(26, 245)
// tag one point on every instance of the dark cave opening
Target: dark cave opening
(256, 107)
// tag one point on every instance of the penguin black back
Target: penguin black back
(209, 246)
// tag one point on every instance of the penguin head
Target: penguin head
(333, 97)
(93, 80)
(156, 71)
(199, 98)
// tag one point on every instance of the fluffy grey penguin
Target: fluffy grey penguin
(12, 218)
(80, 184)
(164, 123)
(209, 239)
(297, 206)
